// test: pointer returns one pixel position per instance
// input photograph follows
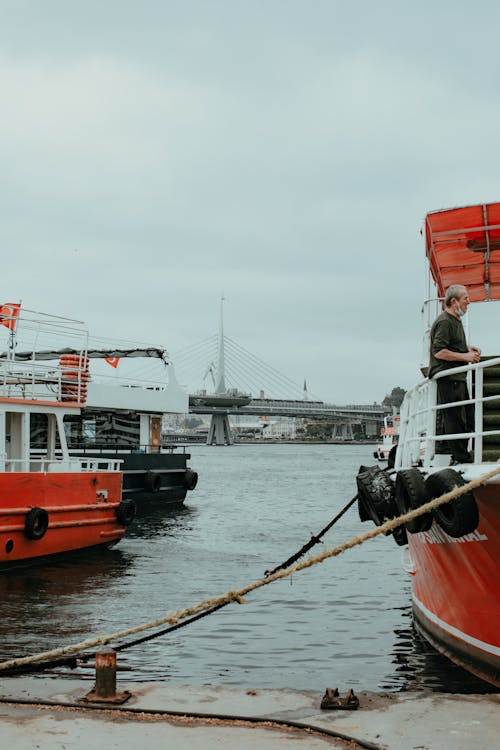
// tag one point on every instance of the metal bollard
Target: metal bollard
(105, 673)
(105, 680)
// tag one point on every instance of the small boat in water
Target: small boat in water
(389, 438)
(50, 501)
(452, 554)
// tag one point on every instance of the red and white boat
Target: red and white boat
(454, 555)
(389, 439)
(50, 501)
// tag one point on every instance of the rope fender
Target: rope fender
(173, 618)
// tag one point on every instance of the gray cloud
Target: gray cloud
(285, 153)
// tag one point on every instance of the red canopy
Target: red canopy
(463, 247)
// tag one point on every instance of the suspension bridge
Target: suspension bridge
(236, 382)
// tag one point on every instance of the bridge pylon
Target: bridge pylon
(219, 432)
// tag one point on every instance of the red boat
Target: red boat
(50, 502)
(456, 583)
(453, 554)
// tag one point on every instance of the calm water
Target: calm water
(344, 623)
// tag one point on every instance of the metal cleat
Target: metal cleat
(332, 700)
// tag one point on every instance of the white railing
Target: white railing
(36, 381)
(74, 465)
(27, 373)
(417, 435)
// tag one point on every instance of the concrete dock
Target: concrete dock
(46, 713)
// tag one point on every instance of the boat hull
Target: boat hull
(140, 469)
(81, 507)
(455, 589)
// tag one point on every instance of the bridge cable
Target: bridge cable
(266, 367)
(268, 374)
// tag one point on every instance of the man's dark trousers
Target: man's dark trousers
(455, 419)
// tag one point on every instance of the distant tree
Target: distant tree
(394, 398)
(319, 429)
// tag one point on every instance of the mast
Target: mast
(220, 385)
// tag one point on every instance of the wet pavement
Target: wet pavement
(45, 713)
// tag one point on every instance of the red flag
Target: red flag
(9, 313)
(113, 361)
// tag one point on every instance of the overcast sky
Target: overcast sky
(157, 153)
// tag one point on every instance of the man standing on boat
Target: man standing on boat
(449, 350)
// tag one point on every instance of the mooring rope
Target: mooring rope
(173, 618)
(315, 539)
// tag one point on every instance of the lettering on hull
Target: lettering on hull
(436, 535)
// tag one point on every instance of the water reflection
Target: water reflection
(71, 598)
(153, 520)
(55, 603)
(418, 666)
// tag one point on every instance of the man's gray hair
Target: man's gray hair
(454, 292)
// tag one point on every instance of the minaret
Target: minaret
(220, 384)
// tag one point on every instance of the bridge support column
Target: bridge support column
(219, 432)
(372, 429)
(342, 430)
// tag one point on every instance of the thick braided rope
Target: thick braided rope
(172, 618)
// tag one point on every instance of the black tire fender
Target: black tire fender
(376, 500)
(400, 536)
(411, 493)
(125, 513)
(375, 495)
(461, 515)
(190, 479)
(152, 482)
(36, 523)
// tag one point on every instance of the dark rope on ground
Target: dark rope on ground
(130, 711)
(315, 539)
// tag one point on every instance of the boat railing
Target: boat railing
(103, 449)
(42, 381)
(418, 434)
(74, 465)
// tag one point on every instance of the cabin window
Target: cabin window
(39, 424)
(101, 429)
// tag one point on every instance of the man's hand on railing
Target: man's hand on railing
(473, 355)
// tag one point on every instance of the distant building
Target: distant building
(284, 428)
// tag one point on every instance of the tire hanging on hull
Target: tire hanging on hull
(411, 492)
(152, 482)
(36, 523)
(376, 500)
(125, 513)
(190, 479)
(461, 515)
